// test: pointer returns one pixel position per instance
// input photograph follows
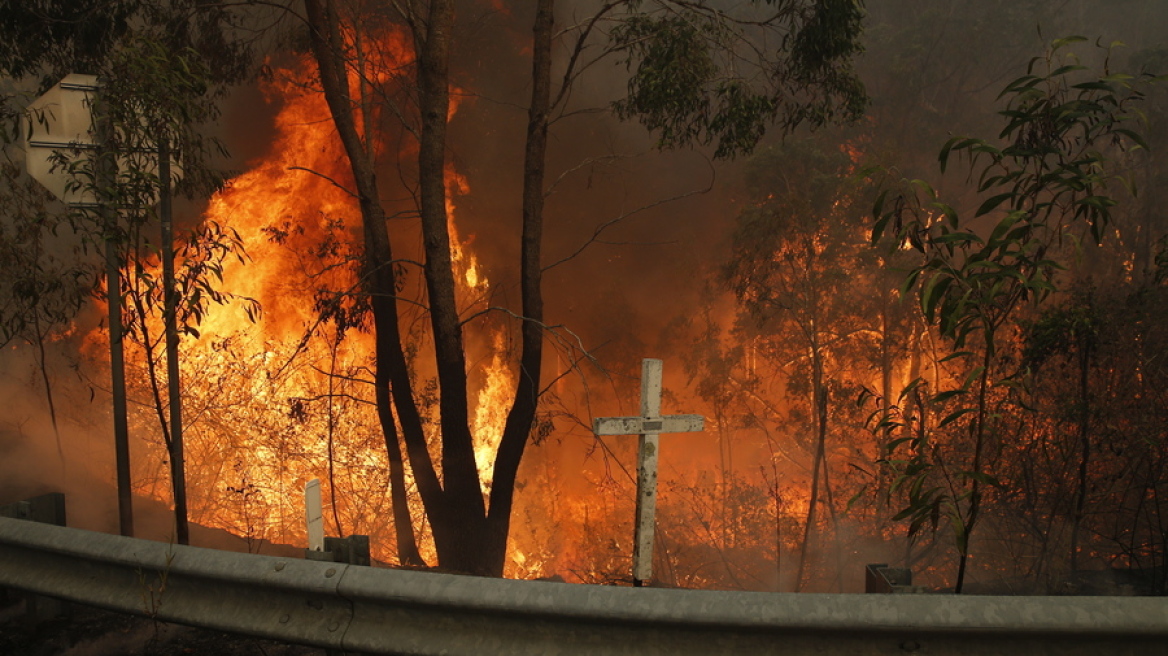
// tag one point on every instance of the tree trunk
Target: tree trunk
(104, 178)
(1084, 445)
(820, 405)
(43, 366)
(391, 375)
(178, 477)
(978, 446)
(459, 529)
(887, 401)
(466, 537)
(886, 359)
(519, 421)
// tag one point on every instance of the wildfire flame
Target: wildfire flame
(273, 405)
(297, 220)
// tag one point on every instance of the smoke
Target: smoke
(635, 275)
(31, 465)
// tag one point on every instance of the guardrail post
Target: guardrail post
(46, 509)
(353, 550)
(881, 579)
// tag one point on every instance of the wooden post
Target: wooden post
(647, 474)
(648, 427)
(314, 515)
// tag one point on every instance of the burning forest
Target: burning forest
(918, 296)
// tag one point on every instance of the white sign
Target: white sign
(313, 515)
(648, 426)
(61, 120)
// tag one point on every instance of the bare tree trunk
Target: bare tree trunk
(178, 475)
(820, 405)
(1085, 447)
(886, 349)
(391, 375)
(522, 415)
(777, 497)
(466, 537)
(914, 402)
(331, 434)
(43, 366)
(113, 282)
(458, 532)
(975, 493)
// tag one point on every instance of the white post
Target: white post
(314, 515)
(647, 474)
(648, 426)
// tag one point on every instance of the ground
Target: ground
(90, 632)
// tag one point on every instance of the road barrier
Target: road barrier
(360, 609)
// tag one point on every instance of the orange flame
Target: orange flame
(297, 219)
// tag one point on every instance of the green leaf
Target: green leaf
(949, 212)
(955, 355)
(945, 396)
(911, 387)
(897, 442)
(904, 514)
(958, 238)
(925, 186)
(947, 148)
(879, 226)
(958, 527)
(973, 375)
(992, 203)
(1004, 226)
(1093, 86)
(1067, 68)
(909, 281)
(981, 477)
(933, 292)
(1118, 77)
(1098, 202)
(954, 416)
(856, 497)
(1066, 41)
(972, 265)
(1024, 82)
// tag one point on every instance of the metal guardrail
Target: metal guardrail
(361, 609)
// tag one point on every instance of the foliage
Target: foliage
(152, 93)
(161, 63)
(43, 291)
(797, 251)
(1070, 328)
(60, 36)
(1051, 182)
(689, 80)
(796, 188)
(697, 77)
(201, 256)
(797, 257)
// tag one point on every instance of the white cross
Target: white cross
(648, 426)
(313, 515)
